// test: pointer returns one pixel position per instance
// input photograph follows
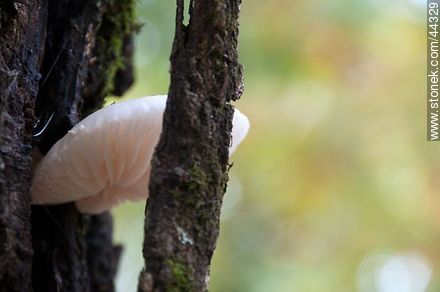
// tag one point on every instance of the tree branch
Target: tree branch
(189, 168)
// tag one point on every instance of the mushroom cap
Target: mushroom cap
(105, 159)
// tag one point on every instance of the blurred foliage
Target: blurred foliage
(336, 176)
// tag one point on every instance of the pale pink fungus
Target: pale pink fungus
(105, 159)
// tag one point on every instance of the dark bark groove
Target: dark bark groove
(189, 168)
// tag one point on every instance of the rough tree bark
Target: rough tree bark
(189, 168)
(59, 59)
(19, 75)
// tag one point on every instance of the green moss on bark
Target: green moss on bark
(117, 25)
(181, 277)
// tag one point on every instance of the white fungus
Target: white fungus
(105, 159)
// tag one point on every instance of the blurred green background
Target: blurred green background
(335, 188)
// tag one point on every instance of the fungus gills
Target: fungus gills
(105, 159)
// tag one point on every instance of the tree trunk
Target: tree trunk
(58, 60)
(189, 167)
